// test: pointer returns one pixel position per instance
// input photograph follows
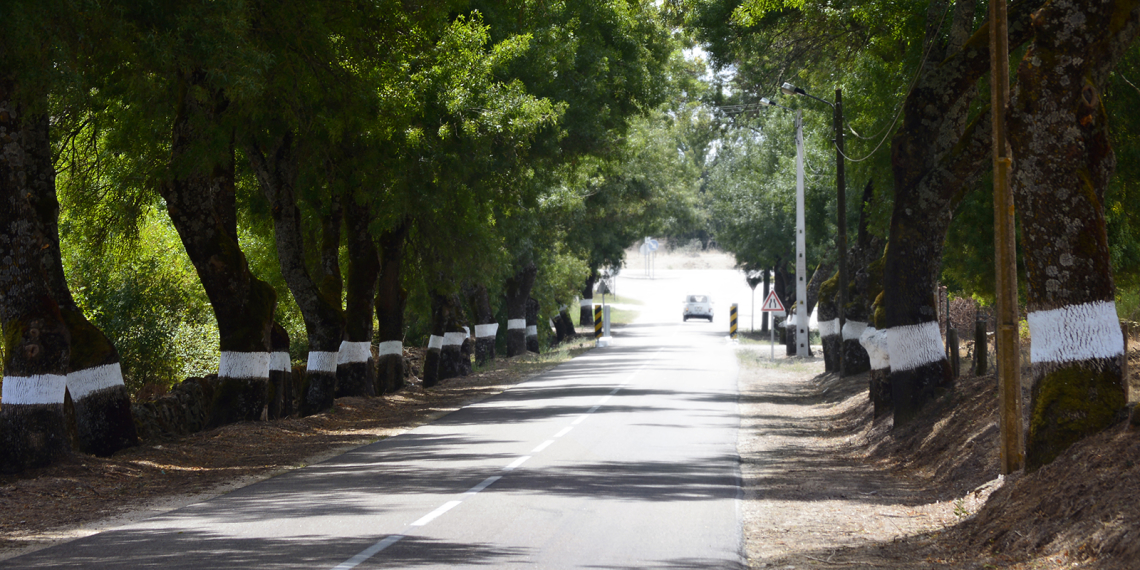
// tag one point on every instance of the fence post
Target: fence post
(981, 347)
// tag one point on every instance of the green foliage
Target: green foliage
(509, 132)
(145, 295)
(751, 191)
(1128, 304)
(1122, 200)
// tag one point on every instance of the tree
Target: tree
(36, 338)
(1059, 136)
(193, 67)
(43, 326)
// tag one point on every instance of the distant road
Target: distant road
(622, 458)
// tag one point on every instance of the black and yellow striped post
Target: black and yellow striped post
(732, 322)
(597, 322)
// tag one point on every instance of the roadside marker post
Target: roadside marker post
(732, 322)
(772, 304)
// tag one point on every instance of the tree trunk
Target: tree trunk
(814, 283)
(828, 318)
(1058, 132)
(936, 155)
(486, 328)
(435, 342)
(586, 304)
(865, 284)
(767, 288)
(36, 339)
(390, 300)
(276, 172)
(280, 375)
(559, 323)
(517, 292)
(567, 324)
(532, 325)
(874, 341)
(787, 293)
(821, 273)
(100, 401)
(199, 201)
(356, 368)
(451, 354)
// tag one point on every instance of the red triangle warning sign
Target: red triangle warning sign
(772, 304)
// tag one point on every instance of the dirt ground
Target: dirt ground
(829, 486)
(826, 485)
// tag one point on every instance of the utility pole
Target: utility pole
(841, 215)
(802, 339)
(1009, 368)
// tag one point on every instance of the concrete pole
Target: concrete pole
(801, 245)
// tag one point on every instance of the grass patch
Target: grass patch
(1128, 304)
(622, 316)
(617, 316)
(620, 300)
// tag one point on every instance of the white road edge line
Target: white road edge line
(516, 463)
(369, 552)
(543, 446)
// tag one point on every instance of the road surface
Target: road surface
(624, 457)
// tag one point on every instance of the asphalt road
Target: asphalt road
(624, 457)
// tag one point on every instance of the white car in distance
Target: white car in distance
(698, 307)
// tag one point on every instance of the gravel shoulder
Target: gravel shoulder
(829, 486)
(809, 503)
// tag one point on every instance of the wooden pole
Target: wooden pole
(981, 348)
(841, 219)
(1009, 370)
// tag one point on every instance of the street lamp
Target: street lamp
(801, 241)
(841, 196)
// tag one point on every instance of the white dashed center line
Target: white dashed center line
(516, 463)
(394, 538)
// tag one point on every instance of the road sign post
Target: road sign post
(649, 250)
(772, 304)
(732, 322)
